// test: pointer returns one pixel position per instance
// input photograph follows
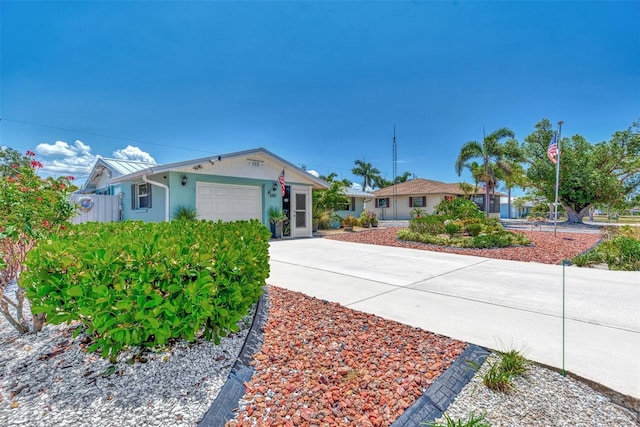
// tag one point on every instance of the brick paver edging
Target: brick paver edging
(223, 406)
(444, 389)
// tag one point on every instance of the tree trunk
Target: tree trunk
(575, 217)
(486, 198)
(509, 203)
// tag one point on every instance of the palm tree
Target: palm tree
(403, 178)
(331, 178)
(477, 173)
(514, 174)
(367, 172)
(492, 153)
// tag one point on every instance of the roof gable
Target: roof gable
(201, 165)
(419, 186)
(105, 169)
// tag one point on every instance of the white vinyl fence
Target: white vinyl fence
(96, 208)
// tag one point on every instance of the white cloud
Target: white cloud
(62, 158)
(314, 173)
(133, 153)
(60, 148)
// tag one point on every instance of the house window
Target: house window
(140, 196)
(382, 203)
(349, 205)
(418, 202)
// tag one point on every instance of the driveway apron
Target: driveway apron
(496, 304)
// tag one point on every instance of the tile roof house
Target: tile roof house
(397, 201)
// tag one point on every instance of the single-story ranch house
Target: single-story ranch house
(397, 201)
(236, 186)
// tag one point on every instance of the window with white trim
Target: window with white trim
(141, 196)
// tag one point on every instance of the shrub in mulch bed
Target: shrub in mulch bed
(322, 364)
(545, 247)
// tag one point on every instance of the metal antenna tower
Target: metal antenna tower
(395, 173)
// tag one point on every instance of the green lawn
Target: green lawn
(623, 219)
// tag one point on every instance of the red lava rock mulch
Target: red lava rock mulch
(546, 248)
(322, 364)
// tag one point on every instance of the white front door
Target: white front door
(301, 212)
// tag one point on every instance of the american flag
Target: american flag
(552, 151)
(281, 179)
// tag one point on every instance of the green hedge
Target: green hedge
(142, 284)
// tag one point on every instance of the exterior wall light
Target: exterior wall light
(184, 179)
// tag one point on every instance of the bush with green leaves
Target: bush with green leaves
(451, 227)
(620, 250)
(623, 253)
(458, 208)
(142, 284)
(474, 228)
(429, 224)
(31, 209)
(430, 230)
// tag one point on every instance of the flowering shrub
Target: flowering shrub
(31, 208)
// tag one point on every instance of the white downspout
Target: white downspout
(166, 195)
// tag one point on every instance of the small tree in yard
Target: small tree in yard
(31, 208)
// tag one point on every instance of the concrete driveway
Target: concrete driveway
(497, 304)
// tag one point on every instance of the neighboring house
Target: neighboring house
(518, 209)
(397, 201)
(104, 170)
(236, 186)
(356, 202)
(97, 200)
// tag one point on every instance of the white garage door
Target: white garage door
(228, 202)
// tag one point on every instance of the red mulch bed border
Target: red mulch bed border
(545, 248)
(322, 364)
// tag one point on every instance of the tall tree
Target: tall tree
(332, 178)
(492, 154)
(514, 174)
(477, 173)
(402, 178)
(11, 161)
(367, 172)
(606, 172)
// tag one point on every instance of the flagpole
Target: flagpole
(555, 214)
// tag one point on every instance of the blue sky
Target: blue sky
(318, 83)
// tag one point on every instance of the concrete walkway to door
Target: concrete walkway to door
(493, 303)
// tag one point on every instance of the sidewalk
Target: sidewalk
(492, 303)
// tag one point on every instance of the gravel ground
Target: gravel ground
(541, 397)
(48, 380)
